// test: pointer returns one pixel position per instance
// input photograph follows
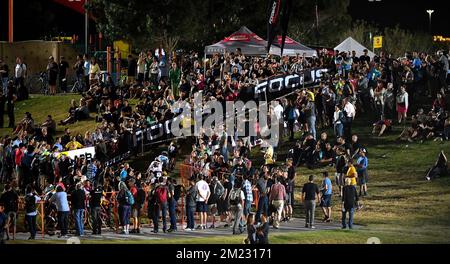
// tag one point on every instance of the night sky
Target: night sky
(409, 14)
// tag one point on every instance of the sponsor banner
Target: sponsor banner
(87, 153)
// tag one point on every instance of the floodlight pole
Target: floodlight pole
(11, 21)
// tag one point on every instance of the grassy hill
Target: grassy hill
(401, 207)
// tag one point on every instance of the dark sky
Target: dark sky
(409, 14)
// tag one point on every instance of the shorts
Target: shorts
(136, 212)
(340, 179)
(12, 218)
(223, 206)
(202, 207)
(363, 178)
(325, 201)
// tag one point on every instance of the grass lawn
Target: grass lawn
(401, 207)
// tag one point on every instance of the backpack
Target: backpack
(177, 193)
(219, 190)
(235, 197)
(129, 197)
(30, 204)
(161, 194)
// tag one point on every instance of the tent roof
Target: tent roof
(291, 48)
(244, 38)
(350, 45)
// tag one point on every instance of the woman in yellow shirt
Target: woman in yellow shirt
(74, 144)
(351, 172)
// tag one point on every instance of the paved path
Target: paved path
(295, 225)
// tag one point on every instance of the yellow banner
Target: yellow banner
(378, 42)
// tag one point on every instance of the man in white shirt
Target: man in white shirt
(203, 194)
(20, 73)
(87, 69)
(349, 115)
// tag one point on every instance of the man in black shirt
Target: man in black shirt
(63, 66)
(310, 194)
(95, 207)
(263, 202)
(2, 108)
(78, 198)
(349, 199)
(10, 199)
(365, 57)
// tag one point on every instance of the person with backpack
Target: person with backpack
(31, 201)
(161, 199)
(203, 195)
(236, 200)
(191, 203)
(95, 200)
(217, 191)
(78, 199)
(126, 200)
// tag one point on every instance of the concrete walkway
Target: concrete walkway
(295, 225)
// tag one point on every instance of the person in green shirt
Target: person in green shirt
(175, 77)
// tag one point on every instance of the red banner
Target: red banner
(76, 5)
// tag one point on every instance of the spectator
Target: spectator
(402, 104)
(162, 196)
(277, 198)
(78, 199)
(236, 200)
(203, 194)
(126, 200)
(363, 176)
(191, 203)
(248, 191)
(263, 202)
(310, 194)
(325, 201)
(31, 201)
(62, 206)
(10, 200)
(3, 219)
(349, 199)
(95, 200)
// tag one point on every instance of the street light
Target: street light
(430, 11)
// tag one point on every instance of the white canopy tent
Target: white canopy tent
(350, 45)
(291, 48)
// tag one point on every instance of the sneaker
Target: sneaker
(155, 231)
(133, 231)
(192, 229)
(226, 225)
(138, 231)
(212, 227)
(313, 227)
(306, 226)
(199, 227)
(329, 220)
(276, 227)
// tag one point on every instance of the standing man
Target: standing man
(78, 199)
(19, 77)
(248, 191)
(52, 74)
(4, 74)
(191, 202)
(203, 194)
(263, 202)
(327, 191)
(175, 78)
(11, 201)
(310, 194)
(277, 198)
(10, 99)
(79, 72)
(62, 206)
(361, 168)
(31, 200)
(161, 193)
(236, 200)
(349, 199)
(63, 71)
(349, 114)
(87, 69)
(95, 200)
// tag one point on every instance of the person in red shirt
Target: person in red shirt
(20, 151)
